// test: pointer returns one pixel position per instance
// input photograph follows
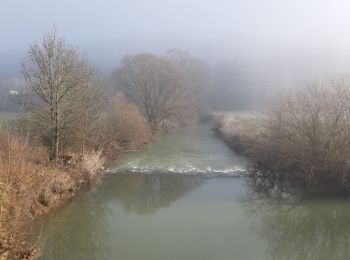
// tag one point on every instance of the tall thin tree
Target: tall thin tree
(54, 76)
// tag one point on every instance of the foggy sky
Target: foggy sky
(266, 45)
(275, 44)
(207, 27)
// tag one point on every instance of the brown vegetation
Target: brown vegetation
(123, 129)
(31, 185)
(308, 136)
(304, 138)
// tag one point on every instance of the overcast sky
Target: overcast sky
(202, 26)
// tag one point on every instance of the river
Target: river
(186, 198)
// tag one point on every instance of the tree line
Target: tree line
(68, 104)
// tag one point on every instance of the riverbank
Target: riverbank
(32, 186)
(240, 130)
(291, 153)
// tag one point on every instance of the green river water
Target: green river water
(185, 198)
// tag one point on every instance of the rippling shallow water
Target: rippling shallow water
(192, 150)
(136, 213)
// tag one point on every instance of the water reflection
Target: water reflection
(89, 228)
(135, 217)
(146, 193)
(308, 229)
(77, 232)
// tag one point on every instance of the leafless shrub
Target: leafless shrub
(125, 126)
(307, 136)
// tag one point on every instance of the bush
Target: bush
(126, 127)
(307, 137)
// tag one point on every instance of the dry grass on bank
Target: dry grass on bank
(31, 186)
(240, 130)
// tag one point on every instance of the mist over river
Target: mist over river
(186, 197)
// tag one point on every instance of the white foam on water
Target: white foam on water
(188, 169)
(192, 151)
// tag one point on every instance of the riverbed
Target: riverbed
(186, 197)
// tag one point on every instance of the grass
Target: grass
(240, 130)
(249, 120)
(30, 185)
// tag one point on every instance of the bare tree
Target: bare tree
(196, 69)
(198, 75)
(54, 75)
(156, 85)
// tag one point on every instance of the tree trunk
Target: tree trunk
(56, 134)
(57, 146)
(83, 147)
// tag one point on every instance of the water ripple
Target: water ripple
(234, 171)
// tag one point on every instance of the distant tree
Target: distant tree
(55, 78)
(196, 69)
(198, 75)
(157, 86)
